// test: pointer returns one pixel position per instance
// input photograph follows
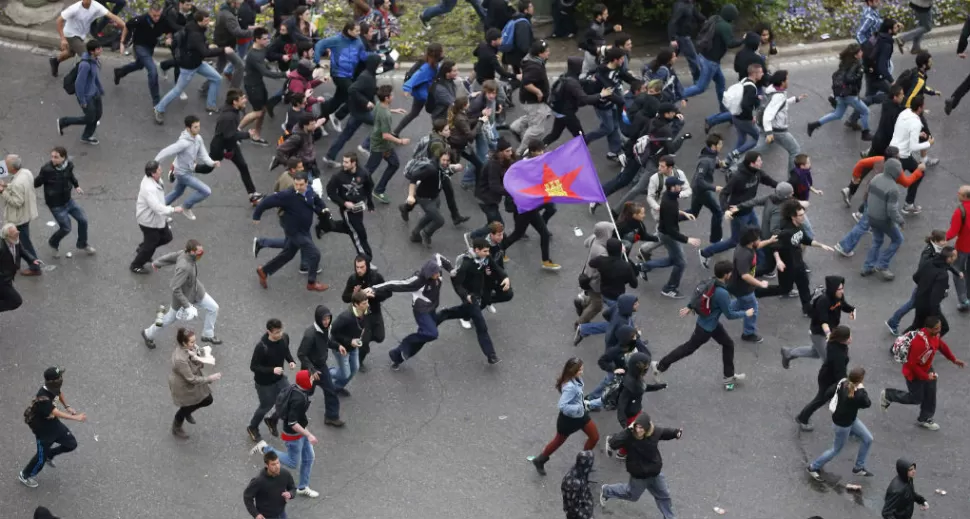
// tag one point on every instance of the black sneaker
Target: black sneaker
(343, 392)
(256, 247)
(212, 340)
(755, 338)
(117, 76)
(140, 270)
(862, 472)
(785, 359)
(90, 140)
(577, 337)
(812, 126)
(405, 212)
(460, 220)
(271, 424)
(672, 293)
(425, 239)
(948, 106)
(254, 434)
(54, 63)
(494, 359)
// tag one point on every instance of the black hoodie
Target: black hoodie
(315, 343)
(370, 279)
(577, 499)
(264, 494)
(488, 184)
(643, 460)
(356, 187)
(572, 96)
(630, 401)
(749, 55)
(364, 88)
(704, 172)
(534, 73)
(488, 66)
(346, 327)
(743, 186)
(615, 270)
(615, 357)
(829, 309)
(685, 19)
(932, 283)
(195, 48)
(269, 355)
(835, 367)
(425, 289)
(469, 278)
(901, 494)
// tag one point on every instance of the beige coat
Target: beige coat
(19, 199)
(186, 381)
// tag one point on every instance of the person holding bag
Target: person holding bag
(189, 387)
(850, 397)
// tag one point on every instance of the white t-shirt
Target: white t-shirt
(77, 19)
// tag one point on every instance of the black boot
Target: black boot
(540, 464)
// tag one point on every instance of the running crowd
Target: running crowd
(639, 115)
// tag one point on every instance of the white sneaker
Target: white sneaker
(363, 150)
(183, 96)
(335, 124)
(929, 425)
(466, 324)
(845, 197)
(655, 370)
(307, 492)
(258, 448)
(491, 308)
(188, 214)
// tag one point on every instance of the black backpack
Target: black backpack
(868, 53)
(282, 398)
(700, 300)
(705, 37)
(413, 70)
(178, 45)
(840, 88)
(71, 78)
(429, 105)
(611, 395)
(30, 414)
(555, 93)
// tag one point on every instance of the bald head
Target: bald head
(13, 163)
(964, 192)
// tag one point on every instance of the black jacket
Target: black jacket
(364, 88)
(685, 20)
(143, 32)
(615, 271)
(887, 124)
(488, 184)
(749, 101)
(57, 183)
(522, 38)
(847, 408)
(643, 460)
(10, 263)
(670, 216)
(534, 73)
(829, 309)
(315, 343)
(345, 186)
(176, 20)
(196, 47)
(264, 494)
(227, 135)
(901, 494)
(488, 66)
(704, 172)
(370, 279)
(630, 401)
(852, 75)
(749, 55)
(469, 279)
(836, 364)
(425, 290)
(268, 355)
(743, 186)
(882, 56)
(497, 13)
(573, 96)
(932, 283)
(605, 77)
(346, 327)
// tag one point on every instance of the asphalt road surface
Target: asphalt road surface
(448, 435)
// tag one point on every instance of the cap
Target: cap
(53, 373)
(784, 189)
(667, 108)
(303, 379)
(503, 144)
(673, 181)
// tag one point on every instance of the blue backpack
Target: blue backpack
(508, 34)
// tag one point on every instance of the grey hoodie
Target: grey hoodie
(883, 198)
(597, 247)
(188, 152)
(771, 211)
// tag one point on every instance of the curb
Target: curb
(50, 40)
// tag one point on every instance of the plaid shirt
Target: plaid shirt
(869, 25)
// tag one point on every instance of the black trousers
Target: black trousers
(494, 294)
(234, 154)
(918, 392)
(910, 164)
(65, 441)
(448, 189)
(566, 122)
(698, 339)
(492, 214)
(9, 297)
(961, 91)
(822, 397)
(522, 222)
(342, 86)
(373, 333)
(352, 224)
(186, 411)
(152, 238)
(787, 280)
(416, 108)
(920, 317)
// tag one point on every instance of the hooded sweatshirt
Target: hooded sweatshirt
(703, 180)
(643, 460)
(488, 66)
(771, 210)
(189, 151)
(828, 308)
(370, 279)
(835, 367)
(723, 35)
(347, 327)
(743, 186)
(901, 494)
(577, 499)
(315, 343)
(932, 285)
(775, 119)
(417, 85)
(632, 387)
(749, 55)
(469, 277)
(597, 247)
(615, 356)
(364, 88)
(269, 355)
(425, 290)
(615, 271)
(619, 314)
(883, 199)
(572, 96)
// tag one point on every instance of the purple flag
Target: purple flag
(565, 175)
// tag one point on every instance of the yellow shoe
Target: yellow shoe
(548, 265)
(506, 259)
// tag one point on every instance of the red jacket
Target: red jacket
(921, 352)
(959, 228)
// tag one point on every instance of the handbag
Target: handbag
(585, 280)
(834, 403)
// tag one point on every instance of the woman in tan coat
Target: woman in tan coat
(190, 388)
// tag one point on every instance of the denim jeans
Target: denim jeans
(346, 368)
(353, 123)
(303, 243)
(903, 310)
(92, 114)
(599, 327)
(685, 48)
(208, 304)
(241, 50)
(708, 199)
(709, 71)
(471, 312)
(738, 224)
(657, 486)
(609, 128)
(745, 129)
(623, 178)
(598, 390)
(880, 259)
(445, 7)
(924, 20)
(857, 429)
(144, 60)
(742, 303)
(63, 215)
(185, 76)
(410, 345)
(842, 104)
(675, 259)
(784, 139)
(188, 180)
(374, 161)
(266, 398)
(849, 242)
(28, 245)
(298, 453)
(962, 265)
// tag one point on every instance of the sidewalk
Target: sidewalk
(48, 39)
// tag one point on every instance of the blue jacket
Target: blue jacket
(298, 210)
(571, 401)
(418, 85)
(345, 54)
(619, 314)
(88, 83)
(720, 304)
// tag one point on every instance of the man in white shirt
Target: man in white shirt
(912, 139)
(655, 189)
(73, 25)
(151, 213)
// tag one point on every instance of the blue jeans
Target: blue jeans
(903, 310)
(675, 259)
(721, 117)
(843, 103)
(185, 76)
(279, 243)
(685, 48)
(63, 215)
(599, 327)
(657, 486)
(353, 123)
(742, 303)
(745, 129)
(143, 60)
(609, 128)
(412, 344)
(738, 224)
(880, 259)
(857, 429)
(849, 242)
(709, 71)
(346, 368)
(298, 453)
(445, 7)
(598, 390)
(241, 50)
(374, 161)
(202, 191)
(296, 242)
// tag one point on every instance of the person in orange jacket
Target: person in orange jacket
(869, 165)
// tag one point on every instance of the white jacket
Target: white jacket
(188, 151)
(906, 135)
(150, 209)
(776, 113)
(656, 188)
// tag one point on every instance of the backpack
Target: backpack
(760, 112)
(30, 415)
(416, 164)
(413, 70)
(508, 35)
(281, 400)
(817, 293)
(611, 395)
(839, 86)
(900, 347)
(178, 45)
(555, 92)
(700, 300)
(868, 53)
(71, 79)
(429, 104)
(734, 94)
(705, 36)
(421, 148)
(649, 75)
